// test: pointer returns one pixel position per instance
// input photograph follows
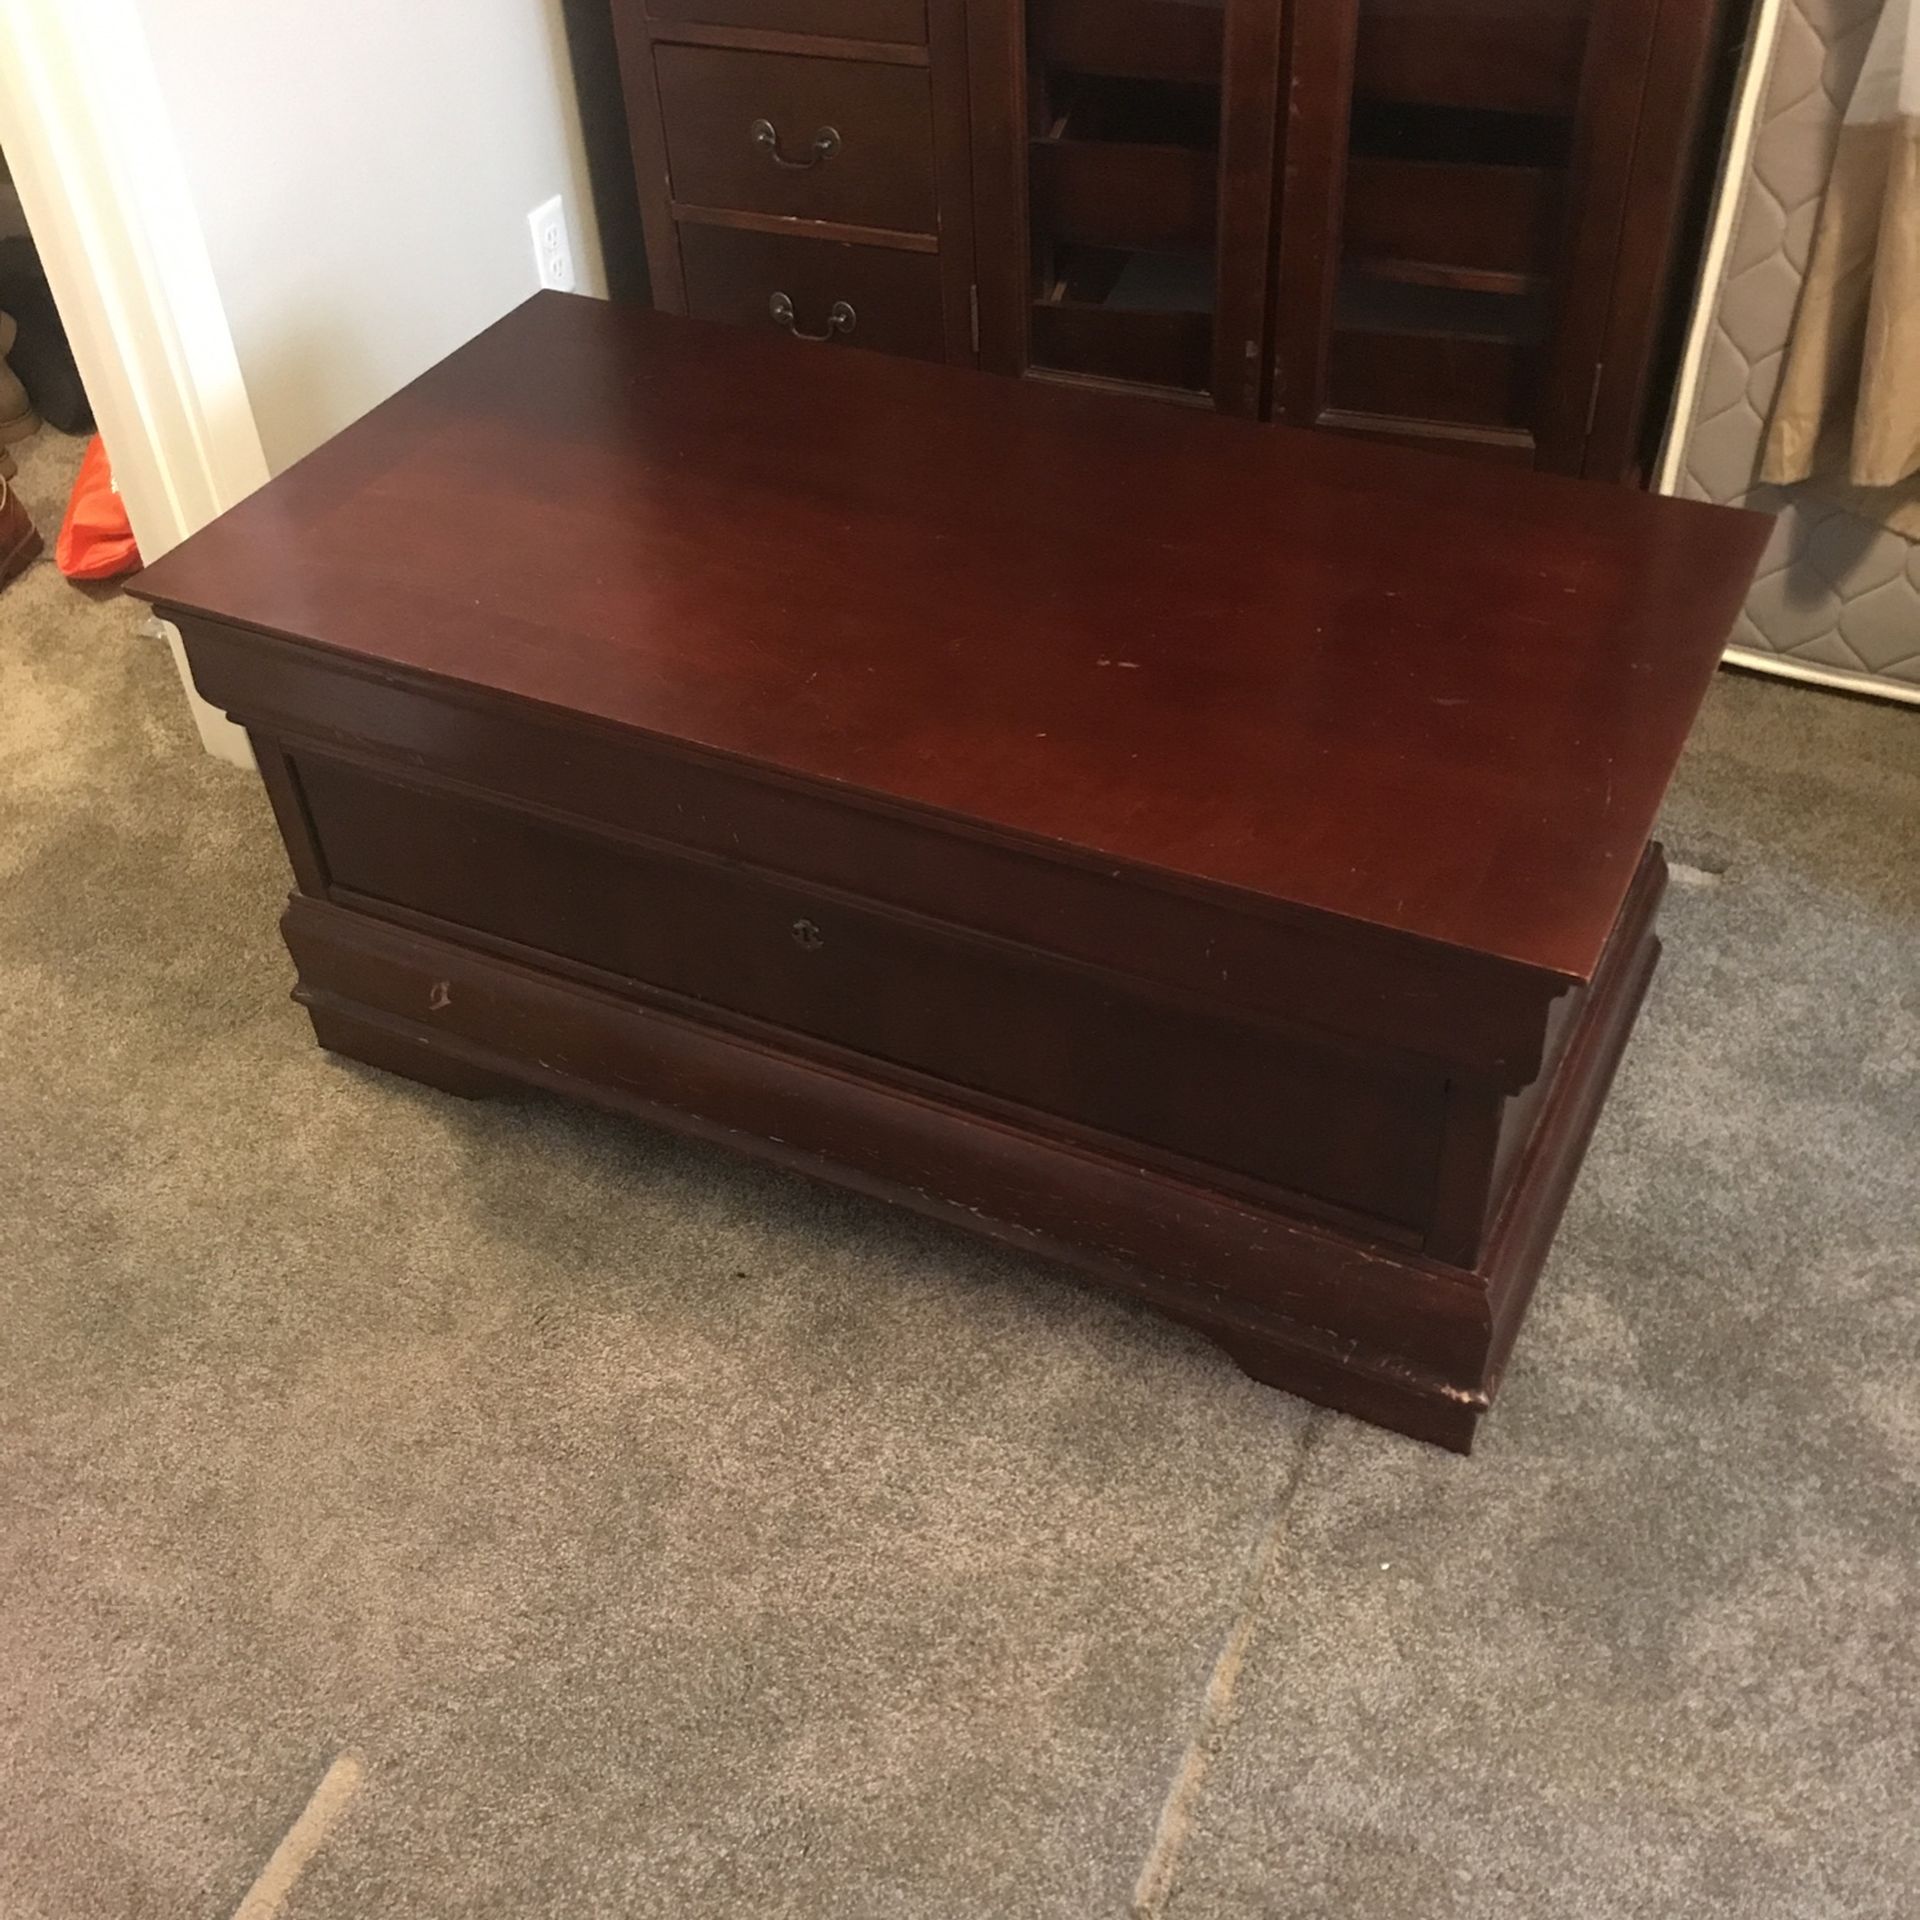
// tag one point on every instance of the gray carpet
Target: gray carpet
(669, 1537)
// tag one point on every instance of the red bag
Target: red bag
(96, 538)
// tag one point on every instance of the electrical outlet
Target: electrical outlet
(552, 250)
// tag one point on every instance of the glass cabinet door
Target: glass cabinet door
(1452, 155)
(1445, 222)
(1140, 195)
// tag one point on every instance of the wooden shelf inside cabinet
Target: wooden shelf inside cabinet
(1133, 39)
(1440, 354)
(1367, 304)
(1125, 167)
(1481, 219)
(1520, 56)
(1135, 317)
(1127, 163)
(1123, 192)
(1453, 197)
(1164, 353)
(1113, 194)
(897, 22)
(1478, 228)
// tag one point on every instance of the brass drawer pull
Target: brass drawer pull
(840, 318)
(765, 136)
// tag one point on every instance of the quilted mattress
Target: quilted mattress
(1835, 593)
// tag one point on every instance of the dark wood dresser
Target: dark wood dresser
(1458, 222)
(1216, 857)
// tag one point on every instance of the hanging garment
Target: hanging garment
(1848, 405)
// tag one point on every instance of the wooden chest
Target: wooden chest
(1215, 857)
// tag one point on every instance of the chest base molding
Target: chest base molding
(1385, 1333)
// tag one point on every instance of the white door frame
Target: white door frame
(91, 149)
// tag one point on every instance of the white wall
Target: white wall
(362, 171)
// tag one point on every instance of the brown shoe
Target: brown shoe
(16, 411)
(20, 542)
(17, 417)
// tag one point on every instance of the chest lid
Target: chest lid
(1437, 698)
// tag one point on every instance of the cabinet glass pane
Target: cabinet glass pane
(1123, 184)
(1455, 199)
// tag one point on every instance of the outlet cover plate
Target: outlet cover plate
(552, 249)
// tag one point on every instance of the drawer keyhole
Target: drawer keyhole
(806, 935)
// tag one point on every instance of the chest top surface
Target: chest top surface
(1438, 697)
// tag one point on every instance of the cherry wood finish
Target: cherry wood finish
(888, 297)
(1134, 39)
(1107, 194)
(838, 134)
(1673, 164)
(1493, 54)
(816, 46)
(1253, 105)
(901, 21)
(1163, 596)
(1074, 821)
(1188, 1081)
(1205, 198)
(1519, 175)
(1393, 1337)
(1385, 374)
(878, 118)
(1169, 354)
(1451, 223)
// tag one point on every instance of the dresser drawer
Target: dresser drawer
(901, 22)
(844, 140)
(1007, 1022)
(879, 297)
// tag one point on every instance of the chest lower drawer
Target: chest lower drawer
(1003, 1021)
(817, 290)
(843, 140)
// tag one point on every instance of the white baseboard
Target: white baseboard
(1780, 667)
